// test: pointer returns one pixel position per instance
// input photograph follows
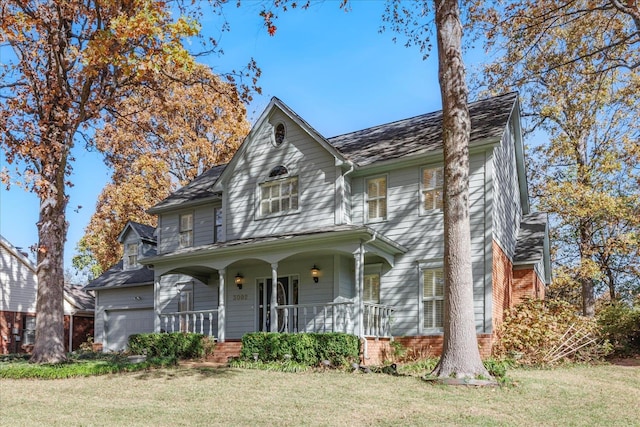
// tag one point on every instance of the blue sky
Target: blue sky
(333, 68)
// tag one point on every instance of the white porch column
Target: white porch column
(157, 323)
(359, 305)
(274, 297)
(221, 308)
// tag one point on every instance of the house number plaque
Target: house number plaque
(240, 297)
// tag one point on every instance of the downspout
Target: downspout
(352, 167)
(365, 349)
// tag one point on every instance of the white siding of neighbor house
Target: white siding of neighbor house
(119, 299)
(304, 158)
(422, 235)
(18, 281)
(507, 211)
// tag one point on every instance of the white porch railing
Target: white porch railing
(298, 318)
(327, 317)
(201, 322)
(377, 320)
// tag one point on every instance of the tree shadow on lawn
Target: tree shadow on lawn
(181, 371)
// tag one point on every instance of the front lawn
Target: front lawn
(575, 395)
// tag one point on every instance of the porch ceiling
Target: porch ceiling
(346, 239)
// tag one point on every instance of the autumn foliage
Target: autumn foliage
(157, 141)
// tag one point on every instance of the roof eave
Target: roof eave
(155, 210)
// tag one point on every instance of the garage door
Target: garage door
(122, 323)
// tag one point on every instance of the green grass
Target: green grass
(569, 396)
(20, 368)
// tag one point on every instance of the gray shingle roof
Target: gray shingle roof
(197, 189)
(146, 232)
(413, 136)
(421, 134)
(79, 298)
(530, 245)
(116, 277)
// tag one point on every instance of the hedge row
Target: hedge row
(176, 344)
(308, 348)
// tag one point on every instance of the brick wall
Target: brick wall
(380, 350)
(82, 329)
(8, 342)
(526, 283)
(502, 284)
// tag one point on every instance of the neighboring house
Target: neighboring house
(305, 233)
(19, 289)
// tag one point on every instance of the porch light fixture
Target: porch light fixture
(239, 280)
(315, 272)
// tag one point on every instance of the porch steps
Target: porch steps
(224, 350)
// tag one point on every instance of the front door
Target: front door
(287, 294)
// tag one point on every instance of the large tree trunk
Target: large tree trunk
(52, 232)
(460, 354)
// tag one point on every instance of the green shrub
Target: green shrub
(176, 344)
(305, 349)
(620, 324)
(541, 332)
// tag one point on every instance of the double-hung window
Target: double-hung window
(29, 330)
(432, 189)
(131, 255)
(372, 288)
(279, 196)
(433, 298)
(186, 230)
(217, 230)
(377, 199)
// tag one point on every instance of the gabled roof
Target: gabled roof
(422, 134)
(79, 298)
(117, 277)
(532, 246)
(18, 254)
(277, 104)
(198, 190)
(404, 138)
(145, 232)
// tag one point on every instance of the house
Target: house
(301, 233)
(124, 293)
(19, 289)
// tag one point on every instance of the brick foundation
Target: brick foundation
(527, 284)
(502, 283)
(380, 350)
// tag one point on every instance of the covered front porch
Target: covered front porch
(314, 282)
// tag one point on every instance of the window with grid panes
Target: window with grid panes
(377, 198)
(432, 183)
(132, 255)
(186, 230)
(279, 196)
(372, 288)
(433, 298)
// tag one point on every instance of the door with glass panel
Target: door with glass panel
(287, 294)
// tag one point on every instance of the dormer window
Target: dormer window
(131, 255)
(279, 133)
